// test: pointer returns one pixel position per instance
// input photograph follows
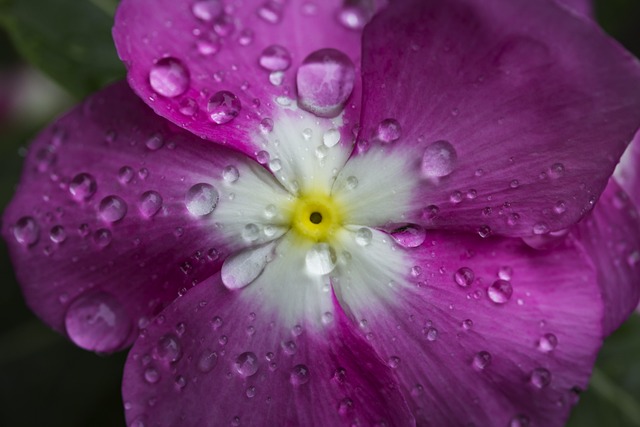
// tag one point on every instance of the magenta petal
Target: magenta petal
(582, 7)
(218, 72)
(627, 173)
(214, 357)
(536, 104)
(492, 333)
(611, 237)
(98, 230)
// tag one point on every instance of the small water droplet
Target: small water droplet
(168, 349)
(321, 259)
(540, 377)
(547, 343)
(500, 291)
(439, 159)
(201, 199)
(393, 362)
(467, 324)
(505, 272)
(97, 322)
(26, 231)
(223, 107)
(345, 406)
(230, 174)
(102, 237)
(351, 183)
(207, 10)
(431, 333)
(155, 142)
(275, 58)
(481, 360)
(540, 228)
(207, 361)
(125, 174)
(188, 107)
(151, 375)
(150, 203)
(58, 234)
(266, 125)
(112, 209)
(556, 170)
(331, 137)
(409, 236)
(354, 15)
(388, 130)
(83, 186)
(169, 77)
(464, 277)
(299, 375)
(519, 421)
(364, 236)
(271, 11)
(246, 364)
(325, 81)
(244, 267)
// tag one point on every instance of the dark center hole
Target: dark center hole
(315, 217)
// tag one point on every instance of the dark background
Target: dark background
(47, 381)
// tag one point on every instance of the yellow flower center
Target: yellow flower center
(316, 216)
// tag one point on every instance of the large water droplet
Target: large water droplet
(547, 343)
(321, 259)
(169, 77)
(325, 81)
(223, 107)
(150, 203)
(439, 159)
(540, 377)
(26, 231)
(299, 375)
(201, 199)
(275, 58)
(97, 322)
(168, 348)
(207, 10)
(244, 267)
(388, 130)
(355, 14)
(464, 277)
(409, 236)
(481, 360)
(58, 234)
(246, 364)
(83, 186)
(500, 291)
(112, 209)
(230, 174)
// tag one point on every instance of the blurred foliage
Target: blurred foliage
(44, 379)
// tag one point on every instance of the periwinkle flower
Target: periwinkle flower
(338, 215)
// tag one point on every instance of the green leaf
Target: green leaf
(70, 40)
(613, 397)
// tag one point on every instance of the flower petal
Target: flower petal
(118, 211)
(481, 332)
(221, 71)
(627, 173)
(233, 361)
(610, 235)
(583, 7)
(508, 109)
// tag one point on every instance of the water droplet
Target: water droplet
(262, 157)
(125, 174)
(321, 259)
(223, 107)
(299, 375)
(151, 375)
(364, 236)
(388, 130)
(246, 37)
(102, 237)
(169, 77)
(230, 174)
(168, 348)
(393, 362)
(500, 291)
(439, 160)
(155, 142)
(540, 377)
(246, 364)
(244, 267)
(430, 333)
(331, 137)
(345, 406)
(97, 322)
(207, 361)
(464, 277)
(519, 421)
(325, 81)
(188, 107)
(58, 234)
(275, 58)
(355, 14)
(266, 125)
(26, 231)
(150, 203)
(112, 209)
(271, 11)
(547, 343)
(467, 324)
(201, 199)
(540, 228)
(207, 10)
(250, 232)
(82, 186)
(481, 360)
(351, 183)
(409, 236)
(556, 170)
(505, 272)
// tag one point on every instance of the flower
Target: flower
(342, 210)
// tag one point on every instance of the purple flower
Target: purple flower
(322, 222)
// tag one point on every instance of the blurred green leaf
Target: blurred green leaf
(70, 40)
(613, 398)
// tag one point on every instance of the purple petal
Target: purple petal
(220, 71)
(105, 228)
(611, 237)
(530, 105)
(233, 362)
(492, 333)
(582, 7)
(627, 173)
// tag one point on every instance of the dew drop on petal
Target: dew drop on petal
(299, 375)
(97, 322)
(464, 277)
(169, 77)
(151, 375)
(547, 343)
(201, 199)
(207, 361)
(355, 14)
(467, 324)
(230, 174)
(439, 159)
(364, 236)
(275, 58)
(58, 234)
(266, 125)
(244, 267)
(519, 421)
(325, 81)
(331, 137)
(125, 174)
(207, 10)
(540, 377)
(26, 231)
(150, 203)
(505, 272)
(83, 186)
(112, 209)
(409, 236)
(271, 11)
(246, 364)
(321, 259)
(102, 237)
(155, 142)
(431, 334)
(393, 362)
(481, 360)
(388, 130)
(168, 349)
(223, 107)
(500, 291)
